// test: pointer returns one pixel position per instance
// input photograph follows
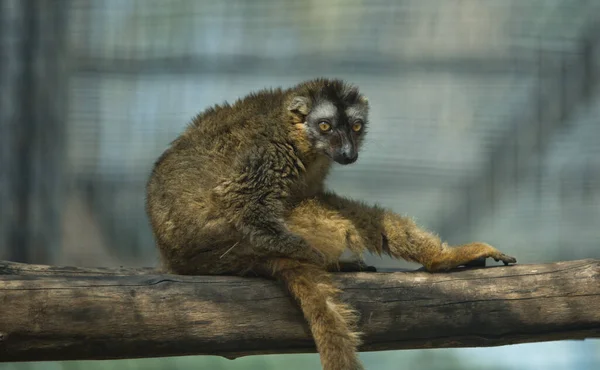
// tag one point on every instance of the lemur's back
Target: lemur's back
(188, 200)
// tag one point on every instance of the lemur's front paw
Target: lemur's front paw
(352, 266)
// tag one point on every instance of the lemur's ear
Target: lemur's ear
(363, 99)
(299, 104)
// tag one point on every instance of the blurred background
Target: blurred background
(485, 125)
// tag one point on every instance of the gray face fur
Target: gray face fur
(334, 115)
(340, 142)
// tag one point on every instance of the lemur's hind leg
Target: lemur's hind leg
(333, 222)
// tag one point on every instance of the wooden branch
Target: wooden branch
(63, 313)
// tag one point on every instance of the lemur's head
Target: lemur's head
(334, 117)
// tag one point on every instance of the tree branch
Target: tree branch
(64, 313)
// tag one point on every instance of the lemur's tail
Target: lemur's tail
(332, 323)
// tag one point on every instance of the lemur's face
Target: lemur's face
(334, 117)
(337, 128)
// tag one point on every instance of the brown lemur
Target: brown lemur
(241, 191)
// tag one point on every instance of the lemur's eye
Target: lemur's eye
(357, 126)
(324, 126)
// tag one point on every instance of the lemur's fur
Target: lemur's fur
(241, 191)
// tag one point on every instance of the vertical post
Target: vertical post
(33, 84)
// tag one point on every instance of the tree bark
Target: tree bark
(65, 313)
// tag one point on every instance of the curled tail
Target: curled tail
(332, 323)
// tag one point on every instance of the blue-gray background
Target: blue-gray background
(485, 126)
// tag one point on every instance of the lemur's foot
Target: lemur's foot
(471, 254)
(487, 251)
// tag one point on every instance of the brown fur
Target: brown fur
(242, 191)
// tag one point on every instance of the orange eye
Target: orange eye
(357, 126)
(324, 126)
